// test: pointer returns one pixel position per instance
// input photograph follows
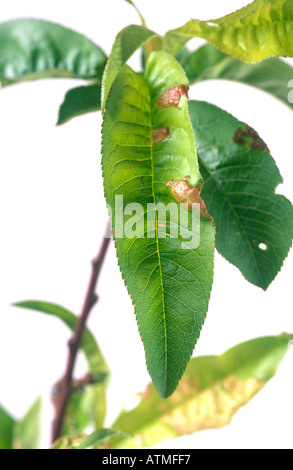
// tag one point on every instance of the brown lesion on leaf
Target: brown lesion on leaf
(171, 98)
(186, 194)
(158, 135)
(248, 137)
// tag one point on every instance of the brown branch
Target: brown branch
(74, 344)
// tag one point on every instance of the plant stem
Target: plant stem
(74, 344)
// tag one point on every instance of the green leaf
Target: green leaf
(213, 388)
(208, 63)
(127, 42)
(77, 417)
(96, 361)
(78, 101)
(99, 437)
(137, 11)
(7, 424)
(27, 431)
(68, 442)
(254, 225)
(262, 29)
(89, 406)
(32, 49)
(169, 282)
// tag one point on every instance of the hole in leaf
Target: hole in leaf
(280, 189)
(263, 246)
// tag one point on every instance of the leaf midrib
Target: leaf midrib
(160, 264)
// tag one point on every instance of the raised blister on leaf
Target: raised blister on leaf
(158, 135)
(172, 97)
(185, 194)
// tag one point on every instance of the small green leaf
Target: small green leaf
(127, 42)
(7, 424)
(262, 29)
(208, 63)
(96, 361)
(100, 437)
(78, 101)
(254, 225)
(169, 282)
(91, 404)
(27, 431)
(137, 11)
(212, 390)
(32, 49)
(77, 418)
(68, 442)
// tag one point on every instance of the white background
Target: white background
(53, 216)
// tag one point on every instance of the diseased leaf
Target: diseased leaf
(28, 430)
(32, 49)
(208, 63)
(213, 388)
(89, 406)
(254, 225)
(262, 29)
(7, 424)
(99, 437)
(78, 101)
(169, 280)
(127, 42)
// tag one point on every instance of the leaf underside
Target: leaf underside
(254, 225)
(169, 286)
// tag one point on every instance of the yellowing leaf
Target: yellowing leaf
(213, 388)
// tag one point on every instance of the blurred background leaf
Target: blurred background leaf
(100, 437)
(87, 404)
(209, 63)
(32, 49)
(27, 431)
(24, 433)
(6, 429)
(78, 101)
